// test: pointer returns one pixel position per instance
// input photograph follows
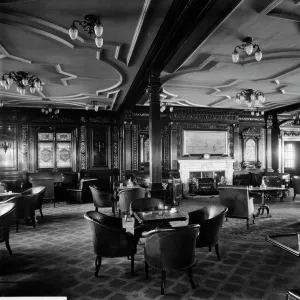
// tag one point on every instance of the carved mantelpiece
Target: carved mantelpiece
(195, 165)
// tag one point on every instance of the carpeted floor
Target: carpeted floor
(57, 258)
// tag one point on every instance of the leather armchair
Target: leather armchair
(82, 194)
(126, 196)
(210, 219)
(236, 199)
(6, 214)
(171, 249)
(102, 198)
(40, 192)
(296, 185)
(145, 204)
(110, 239)
(49, 184)
(161, 193)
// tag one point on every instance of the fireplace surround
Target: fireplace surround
(191, 165)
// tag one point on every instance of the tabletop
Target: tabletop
(159, 216)
(287, 242)
(267, 188)
(5, 196)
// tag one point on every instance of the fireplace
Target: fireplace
(213, 166)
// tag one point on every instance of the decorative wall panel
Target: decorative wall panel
(99, 147)
(8, 147)
(134, 147)
(45, 136)
(63, 137)
(63, 154)
(83, 147)
(45, 155)
(115, 149)
(24, 147)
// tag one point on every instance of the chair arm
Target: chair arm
(74, 190)
(146, 234)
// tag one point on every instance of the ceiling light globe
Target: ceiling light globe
(252, 113)
(252, 96)
(18, 89)
(1, 104)
(238, 100)
(161, 109)
(50, 109)
(2, 82)
(46, 111)
(98, 29)
(32, 89)
(258, 55)
(171, 108)
(43, 110)
(242, 98)
(10, 80)
(96, 108)
(99, 41)
(249, 49)
(37, 84)
(58, 110)
(256, 102)
(22, 91)
(41, 88)
(6, 85)
(249, 104)
(24, 81)
(235, 56)
(73, 32)
(86, 107)
(257, 113)
(262, 112)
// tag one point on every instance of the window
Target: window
(54, 150)
(289, 156)
(251, 150)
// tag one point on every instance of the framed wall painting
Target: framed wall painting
(205, 141)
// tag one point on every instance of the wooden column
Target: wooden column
(154, 90)
(269, 144)
(236, 147)
(173, 146)
(127, 145)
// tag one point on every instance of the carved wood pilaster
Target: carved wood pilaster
(115, 147)
(24, 147)
(83, 148)
(134, 147)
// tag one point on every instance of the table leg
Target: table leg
(263, 206)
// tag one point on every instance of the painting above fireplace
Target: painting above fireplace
(197, 142)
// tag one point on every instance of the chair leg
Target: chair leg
(97, 264)
(294, 197)
(8, 247)
(96, 208)
(253, 216)
(226, 218)
(17, 225)
(217, 251)
(33, 221)
(41, 213)
(132, 264)
(190, 273)
(146, 269)
(247, 223)
(163, 281)
(209, 248)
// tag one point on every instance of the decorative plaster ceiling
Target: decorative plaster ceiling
(209, 78)
(34, 38)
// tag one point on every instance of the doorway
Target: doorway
(292, 157)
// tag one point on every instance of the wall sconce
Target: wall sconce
(5, 146)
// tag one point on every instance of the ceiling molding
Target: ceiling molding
(5, 54)
(64, 80)
(114, 95)
(99, 56)
(138, 30)
(270, 7)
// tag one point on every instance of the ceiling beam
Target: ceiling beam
(180, 22)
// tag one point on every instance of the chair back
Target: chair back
(3, 186)
(46, 182)
(171, 248)
(210, 218)
(25, 205)
(39, 191)
(296, 184)
(84, 186)
(147, 204)
(128, 195)
(7, 209)
(100, 198)
(107, 233)
(236, 199)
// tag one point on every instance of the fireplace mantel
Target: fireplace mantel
(196, 165)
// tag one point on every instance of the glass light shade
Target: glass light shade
(238, 100)
(73, 32)
(171, 108)
(43, 110)
(263, 99)
(262, 112)
(99, 41)
(86, 107)
(256, 102)
(257, 113)
(50, 109)
(252, 113)
(41, 88)
(96, 108)
(10, 80)
(32, 89)
(98, 29)
(235, 56)
(249, 103)
(37, 84)
(161, 109)
(58, 110)
(258, 55)
(24, 81)
(1, 104)
(249, 49)
(252, 96)
(2, 82)
(18, 89)
(242, 97)
(22, 91)
(46, 111)
(6, 85)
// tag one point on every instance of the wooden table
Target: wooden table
(159, 217)
(287, 242)
(265, 195)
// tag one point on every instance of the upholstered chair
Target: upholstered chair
(210, 218)
(126, 196)
(3, 186)
(145, 204)
(296, 185)
(7, 209)
(82, 194)
(25, 208)
(116, 187)
(161, 193)
(49, 184)
(102, 198)
(169, 249)
(40, 192)
(236, 199)
(110, 239)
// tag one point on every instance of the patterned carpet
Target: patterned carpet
(57, 259)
